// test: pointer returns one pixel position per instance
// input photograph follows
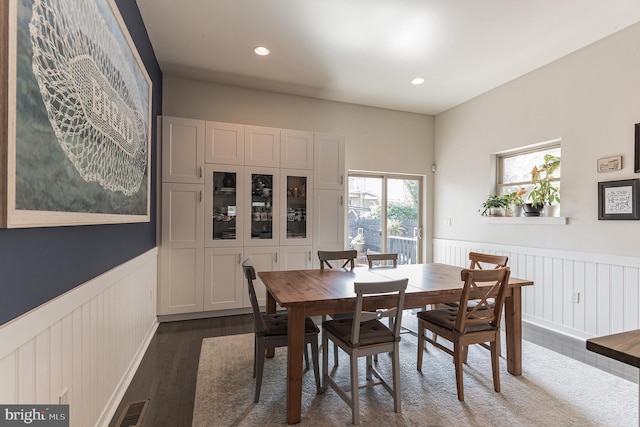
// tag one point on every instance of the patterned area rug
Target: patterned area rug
(553, 391)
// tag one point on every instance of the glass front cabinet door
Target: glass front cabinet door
(263, 197)
(224, 226)
(296, 221)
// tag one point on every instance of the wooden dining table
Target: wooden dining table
(329, 291)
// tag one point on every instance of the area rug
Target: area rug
(553, 390)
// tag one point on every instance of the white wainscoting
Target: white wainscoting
(89, 341)
(608, 287)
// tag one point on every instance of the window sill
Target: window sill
(534, 220)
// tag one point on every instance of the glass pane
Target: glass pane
(518, 168)
(296, 207)
(261, 206)
(224, 206)
(403, 197)
(365, 215)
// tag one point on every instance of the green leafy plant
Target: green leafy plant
(493, 202)
(515, 198)
(543, 192)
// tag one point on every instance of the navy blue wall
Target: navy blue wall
(39, 264)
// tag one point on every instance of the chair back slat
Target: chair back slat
(480, 260)
(363, 289)
(348, 257)
(250, 275)
(477, 286)
(383, 259)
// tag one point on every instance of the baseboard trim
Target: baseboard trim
(575, 348)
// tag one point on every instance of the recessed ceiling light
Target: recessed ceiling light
(417, 81)
(261, 50)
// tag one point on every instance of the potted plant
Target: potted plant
(544, 194)
(358, 242)
(494, 206)
(514, 200)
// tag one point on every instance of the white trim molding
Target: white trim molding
(88, 341)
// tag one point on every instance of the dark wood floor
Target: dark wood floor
(168, 371)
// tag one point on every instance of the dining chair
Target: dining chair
(382, 260)
(271, 332)
(479, 261)
(348, 258)
(463, 326)
(364, 335)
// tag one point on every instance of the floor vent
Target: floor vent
(133, 413)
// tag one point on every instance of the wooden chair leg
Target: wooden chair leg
(457, 361)
(325, 361)
(306, 357)
(397, 406)
(495, 365)
(259, 368)
(421, 330)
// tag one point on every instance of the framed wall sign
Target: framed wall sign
(618, 199)
(78, 114)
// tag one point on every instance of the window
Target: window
(384, 215)
(514, 168)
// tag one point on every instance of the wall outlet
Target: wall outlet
(447, 222)
(575, 297)
(63, 398)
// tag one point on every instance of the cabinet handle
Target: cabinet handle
(275, 257)
(341, 179)
(309, 255)
(341, 200)
(200, 172)
(200, 196)
(239, 258)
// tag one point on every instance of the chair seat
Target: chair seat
(276, 324)
(371, 332)
(446, 318)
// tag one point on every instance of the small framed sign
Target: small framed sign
(609, 164)
(618, 199)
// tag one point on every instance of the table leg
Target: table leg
(294, 364)
(271, 308)
(513, 326)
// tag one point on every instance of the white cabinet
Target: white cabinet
(329, 163)
(224, 279)
(182, 150)
(296, 207)
(225, 206)
(224, 143)
(328, 222)
(232, 192)
(262, 195)
(296, 257)
(261, 146)
(296, 149)
(181, 249)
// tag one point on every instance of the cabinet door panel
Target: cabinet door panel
(296, 258)
(182, 150)
(225, 212)
(224, 143)
(223, 279)
(328, 160)
(182, 280)
(262, 206)
(262, 146)
(296, 149)
(296, 210)
(328, 224)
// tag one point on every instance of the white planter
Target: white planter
(551, 210)
(516, 210)
(496, 211)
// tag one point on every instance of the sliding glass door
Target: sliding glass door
(384, 215)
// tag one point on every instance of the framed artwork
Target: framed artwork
(77, 109)
(636, 167)
(618, 199)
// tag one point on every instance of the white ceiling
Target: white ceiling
(367, 51)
